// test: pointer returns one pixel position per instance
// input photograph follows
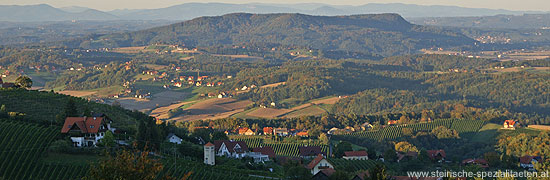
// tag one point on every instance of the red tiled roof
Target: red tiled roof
(310, 150)
(355, 153)
(242, 130)
(209, 144)
(328, 171)
(268, 130)
(315, 161)
(303, 133)
(434, 153)
(510, 122)
(84, 124)
(267, 150)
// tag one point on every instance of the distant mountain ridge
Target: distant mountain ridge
(43, 12)
(384, 34)
(187, 11)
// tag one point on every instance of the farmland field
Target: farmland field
(160, 99)
(214, 108)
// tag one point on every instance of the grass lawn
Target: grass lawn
(487, 133)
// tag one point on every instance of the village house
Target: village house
(310, 151)
(392, 122)
(87, 131)
(324, 174)
(366, 126)
(258, 157)
(510, 124)
(245, 131)
(233, 149)
(402, 156)
(437, 155)
(266, 150)
(198, 83)
(302, 134)
(528, 162)
(479, 162)
(178, 84)
(173, 138)
(356, 155)
(280, 131)
(268, 130)
(318, 164)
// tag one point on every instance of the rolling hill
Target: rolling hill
(384, 34)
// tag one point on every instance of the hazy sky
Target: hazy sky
(537, 5)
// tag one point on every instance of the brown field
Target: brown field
(331, 100)
(162, 112)
(214, 108)
(160, 99)
(308, 111)
(77, 93)
(304, 109)
(268, 113)
(540, 127)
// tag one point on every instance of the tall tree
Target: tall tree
(23, 82)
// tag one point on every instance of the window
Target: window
(69, 126)
(92, 126)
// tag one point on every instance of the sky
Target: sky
(106, 5)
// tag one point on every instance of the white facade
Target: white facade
(323, 164)
(258, 157)
(356, 157)
(209, 157)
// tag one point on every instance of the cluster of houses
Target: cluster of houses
(269, 131)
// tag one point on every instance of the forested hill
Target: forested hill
(385, 34)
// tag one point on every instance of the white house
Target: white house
(86, 131)
(233, 149)
(209, 152)
(318, 164)
(356, 155)
(174, 139)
